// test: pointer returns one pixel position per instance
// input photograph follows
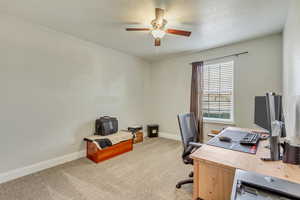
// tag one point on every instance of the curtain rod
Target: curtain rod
(211, 59)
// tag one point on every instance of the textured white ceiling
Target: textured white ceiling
(213, 22)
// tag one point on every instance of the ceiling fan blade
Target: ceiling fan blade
(159, 15)
(137, 29)
(157, 42)
(179, 32)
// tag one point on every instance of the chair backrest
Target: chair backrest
(188, 129)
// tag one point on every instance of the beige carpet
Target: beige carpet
(149, 172)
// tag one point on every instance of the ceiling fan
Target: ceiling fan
(158, 29)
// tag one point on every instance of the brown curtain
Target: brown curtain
(196, 96)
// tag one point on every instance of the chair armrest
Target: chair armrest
(195, 144)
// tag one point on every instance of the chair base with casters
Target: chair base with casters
(186, 181)
(180, 183)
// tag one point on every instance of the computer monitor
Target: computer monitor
(269, 115)
(262, 115)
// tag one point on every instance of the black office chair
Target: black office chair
(190, 139)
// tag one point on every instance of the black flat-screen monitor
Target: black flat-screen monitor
(262, 111)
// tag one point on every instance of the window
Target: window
(218, 92)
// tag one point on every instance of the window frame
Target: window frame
(230, 121)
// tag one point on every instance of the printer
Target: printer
(253, 186)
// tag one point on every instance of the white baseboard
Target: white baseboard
(171, 136)
(17, 173)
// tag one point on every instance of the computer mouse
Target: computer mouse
(263, 137)
(224, 139)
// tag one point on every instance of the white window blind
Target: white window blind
(218, 91)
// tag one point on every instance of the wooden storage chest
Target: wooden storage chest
(98, 155)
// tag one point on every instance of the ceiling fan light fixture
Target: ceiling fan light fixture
(157, 33)
(159, 30)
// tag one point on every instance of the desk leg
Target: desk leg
(212, 181)
(196, 180)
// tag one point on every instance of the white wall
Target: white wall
(291, 78)
(53, 86)
(255, 74)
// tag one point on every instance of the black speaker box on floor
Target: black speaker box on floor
(153, 130)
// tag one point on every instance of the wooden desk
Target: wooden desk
(214, 169)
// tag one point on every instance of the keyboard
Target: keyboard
(250, 139)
